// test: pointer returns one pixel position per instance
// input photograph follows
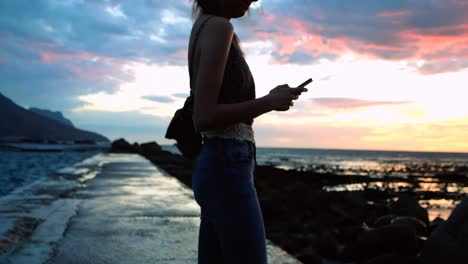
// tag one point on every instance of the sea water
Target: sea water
(22, 168)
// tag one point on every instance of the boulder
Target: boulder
(327, 244)
(393, 259)
(150, 148)
(449, 241)
(384, 220)
(407, 205)
(309, 255)
(122, 146)
(349, 207)
(416, 225)
(397, 240)
(435, 223)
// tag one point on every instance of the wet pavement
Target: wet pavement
(126, 210)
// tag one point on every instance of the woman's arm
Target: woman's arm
(214, 51)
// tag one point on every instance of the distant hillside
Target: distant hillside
(57, 116)
(15, 121)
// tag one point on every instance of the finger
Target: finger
(298, 90)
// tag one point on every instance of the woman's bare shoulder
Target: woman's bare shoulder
(215, 38)
(215, 26)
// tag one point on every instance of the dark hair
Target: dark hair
(204, 7)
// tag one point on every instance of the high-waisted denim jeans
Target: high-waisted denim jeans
(231, 229)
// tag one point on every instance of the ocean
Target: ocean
(18, 169)
(360, 162)
(21, 168)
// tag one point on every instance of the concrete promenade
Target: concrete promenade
(126, 210)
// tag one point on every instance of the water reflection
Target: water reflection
(438, 207)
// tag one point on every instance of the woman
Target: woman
(231, 229)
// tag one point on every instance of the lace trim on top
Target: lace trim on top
(239, 131)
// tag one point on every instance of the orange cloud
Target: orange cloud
(441, 136)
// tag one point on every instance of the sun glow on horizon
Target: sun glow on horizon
(391, 103)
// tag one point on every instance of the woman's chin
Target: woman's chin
(240, 14)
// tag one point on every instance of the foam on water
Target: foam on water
(43, 206)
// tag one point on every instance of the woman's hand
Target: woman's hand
(282, 96)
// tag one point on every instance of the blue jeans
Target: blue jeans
(231, 228)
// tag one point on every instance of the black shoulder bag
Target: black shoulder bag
(181, 128)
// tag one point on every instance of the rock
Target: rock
(399, 240)
(309, 255)
(350, 207)
(384, 220)
(349, 234)
(150, 148)
(407, 205)
(122, 146)
(393, 259)
(435, 223)
(418, 226)
(327, 245)
(449, 242)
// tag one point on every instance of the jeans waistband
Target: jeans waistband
(219, 139)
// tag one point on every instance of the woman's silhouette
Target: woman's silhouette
(231, 229)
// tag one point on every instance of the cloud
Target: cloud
(447, 65)
(52, 53)
(181, 95)
(53, 41)
(348, 103)
(394, 13)
(307, 135)
(133, 125)
(159, 99)
(58, 50)
(303, 32)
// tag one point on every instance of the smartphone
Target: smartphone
(305, 83)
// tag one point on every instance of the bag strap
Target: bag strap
(193, 51)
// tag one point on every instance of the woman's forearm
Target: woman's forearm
(225, 115)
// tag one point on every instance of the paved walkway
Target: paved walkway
(126, 210)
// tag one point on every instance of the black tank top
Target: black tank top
(238, 84)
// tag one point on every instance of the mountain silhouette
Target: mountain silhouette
(57, 116)
(16, 121)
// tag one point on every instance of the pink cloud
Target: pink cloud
(292, 37)
(181, 53)
(81, 64)
(347, 103)
(300, 36)
(57, 56)
(393, 14)
(453, 37)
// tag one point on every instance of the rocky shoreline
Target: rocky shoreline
(371, 225)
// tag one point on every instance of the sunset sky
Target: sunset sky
(388, 74)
